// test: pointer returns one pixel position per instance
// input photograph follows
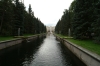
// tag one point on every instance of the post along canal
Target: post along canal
(41, 52)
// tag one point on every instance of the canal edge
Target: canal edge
(12, 42)
(87, 57)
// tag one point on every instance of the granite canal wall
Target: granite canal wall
(87, 57)
(9, 43)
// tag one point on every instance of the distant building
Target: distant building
(50, 29)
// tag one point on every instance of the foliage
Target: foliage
(83, 18)
(63, 25)
(96, 23)
(71, 15)
(6, 16)
(14, 16)
(18, 18)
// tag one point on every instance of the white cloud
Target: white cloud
(48, 11)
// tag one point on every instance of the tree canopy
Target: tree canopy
(83, 18)
(14, 16)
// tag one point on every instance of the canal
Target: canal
(40, 52)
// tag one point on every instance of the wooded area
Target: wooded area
(13, 16)
(83, 19)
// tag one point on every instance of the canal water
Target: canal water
(41, 52)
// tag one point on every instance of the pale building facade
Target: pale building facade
(50, 29)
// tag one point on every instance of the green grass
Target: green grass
(26, 35)
(87, 44)
(5, 38)
(62, 36)
(11, 37)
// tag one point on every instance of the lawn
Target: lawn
(26, 35)
(5, 38)
(62, 36)
(87, 44)
(10, 38)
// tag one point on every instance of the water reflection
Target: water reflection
(47, 52)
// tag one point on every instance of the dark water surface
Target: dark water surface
(41, 52)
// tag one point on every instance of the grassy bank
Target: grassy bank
(14, 37)
(26, 35)
(62, 36)
(87, 44)
(5, 38)
(11, 37)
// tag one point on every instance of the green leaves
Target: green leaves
(64, 24)
(33, 25)
(6, 16)
(14, 16)
(83, 18)
(83, 14)
(96, 24)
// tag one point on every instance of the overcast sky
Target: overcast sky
(48, 11)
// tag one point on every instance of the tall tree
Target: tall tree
(82, 19)
(30, 9)
(96, 23)
(71, 14)
(15, 19)
(19, 14)
(63, 25)
(6, 17)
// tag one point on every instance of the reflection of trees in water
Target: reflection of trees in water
(20, 54)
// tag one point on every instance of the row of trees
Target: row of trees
(13, 17)
(63, 24)
(83, 19)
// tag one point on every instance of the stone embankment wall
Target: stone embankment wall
(9, 43)
(87, 57)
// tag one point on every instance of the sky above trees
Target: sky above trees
(48, 11)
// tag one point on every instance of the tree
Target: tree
(14, 17)
(71, 14)
(30, 9)
(82, 19)
(19, 14)
(6, 12)
(96, 23)
(63, 25)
